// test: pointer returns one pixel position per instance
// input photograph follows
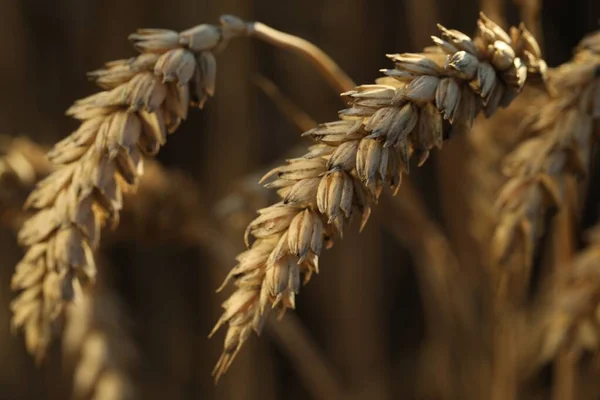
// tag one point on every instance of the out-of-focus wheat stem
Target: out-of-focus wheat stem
(495, 10)
(530, 13)
(291, 111)
(448, 298)
(372, 143)
(313, 368)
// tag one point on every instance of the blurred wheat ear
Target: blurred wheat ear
(401, 116)
(556, 148)
(98, 345)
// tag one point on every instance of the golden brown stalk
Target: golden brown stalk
(530, 13)
(449, 302)
(495, 9)
(372, 143)
(99, 346)
(558, 147)
(290, 110)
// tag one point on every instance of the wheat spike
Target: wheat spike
(100, 348)
(144, 99)
(490, 140)
(557, 147)
(385, 125)
(574, 309)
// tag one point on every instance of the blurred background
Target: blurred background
(360, 328)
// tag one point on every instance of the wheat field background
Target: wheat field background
(362, 328)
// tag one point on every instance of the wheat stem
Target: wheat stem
(331, 71)
(291, 111)
(530, 13)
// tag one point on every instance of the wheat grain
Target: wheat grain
(557, 147)
(372, 143)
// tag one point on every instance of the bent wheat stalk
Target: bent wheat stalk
(144, 99)
(558, 147)
(386, 124)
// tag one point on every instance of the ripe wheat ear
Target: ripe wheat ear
(557, 147)
(386, 124)
(144, 99)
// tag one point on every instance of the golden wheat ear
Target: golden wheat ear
(372, 143)
(556, 147)
(144, 99)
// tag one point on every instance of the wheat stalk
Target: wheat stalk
(557, 147)
(400, 116)
(100, 347)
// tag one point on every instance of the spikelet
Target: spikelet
(341, 177)
(144, 99)
(557, 146)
